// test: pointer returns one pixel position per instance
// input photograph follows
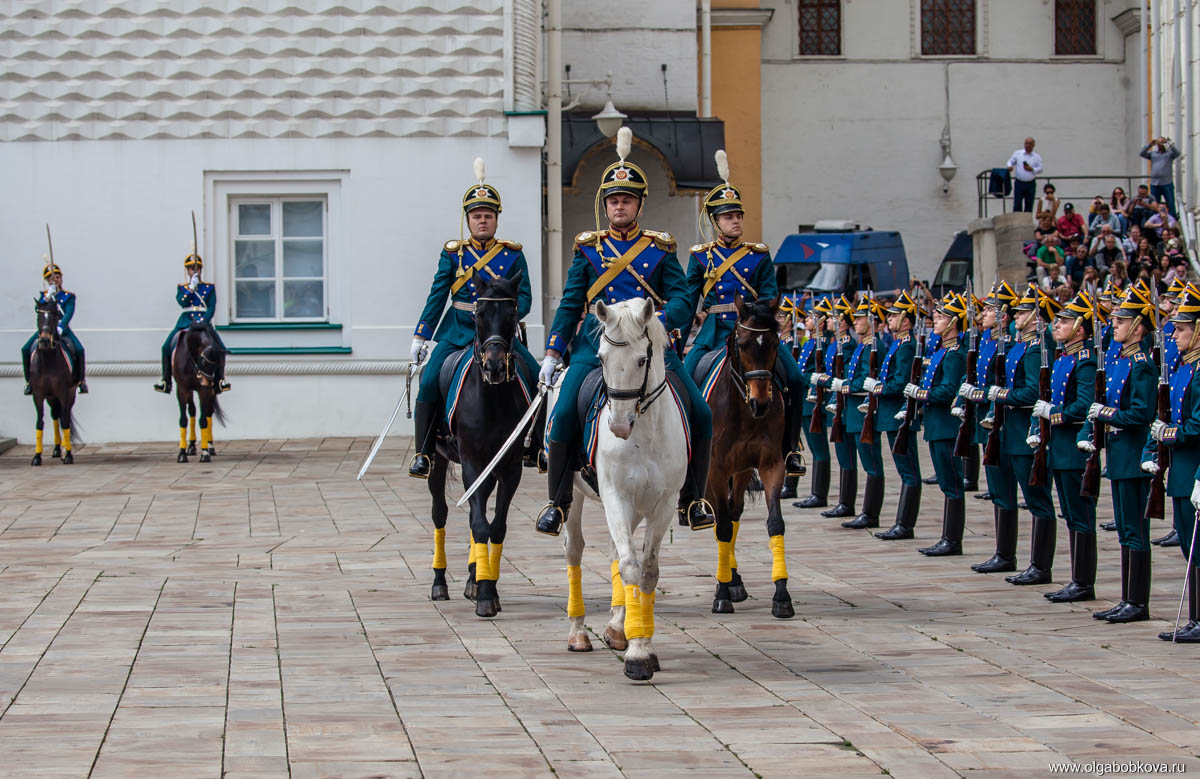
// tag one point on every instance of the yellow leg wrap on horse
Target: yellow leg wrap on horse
(191, 428)
(483, 568)
(206, 437)
(57, 433)
(66, 440)
(778, 566)
(183, 438)
(724, 575)
(37, 441)
(618, 588)
(574, 591)
(633, 612)
(494, 560)
(439, 547)
(733, 546)
(647, 615)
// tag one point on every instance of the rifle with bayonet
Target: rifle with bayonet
(1090, 488)
(966, 431)
(837, 428)
(867, 436)
(904, 432)
(996, 372)
(1040, 474)
(1162, 456)
(817, 423)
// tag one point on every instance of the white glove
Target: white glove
(417, 345)
(815, 378)
(1094, 411)
(958, 411)
(51, 291)
(1196, 495)
(870, 384)
(831, 408)
(194, 282)
(59, 328)
(965, 390)
(900, 415)
(837, 384)
(993, 393)
(1084, 445)
(546, 375)
(1042, 409)
(1150, 466)
(911, 390)
(1157, 427)
(1034, 441)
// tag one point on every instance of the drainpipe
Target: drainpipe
(1144, 51)
(1155, 67)
(705, 58)
(552, 291)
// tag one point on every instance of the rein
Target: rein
(644, 399)
(506, 343)
(741, 379)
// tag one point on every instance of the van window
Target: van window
(831, 278)
(953, 273)
(798, 275)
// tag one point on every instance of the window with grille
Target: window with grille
(820, 27)
(947, 27)
(279, 258)
(1074, 27)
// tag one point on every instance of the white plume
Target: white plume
(479, 169)
(624, 142)
(722, 165)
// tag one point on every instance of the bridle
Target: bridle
(206, 369)
(741, 379)
(480, 349)
(644, 399)
(49, 328)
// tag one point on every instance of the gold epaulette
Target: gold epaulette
(588, 236)
(700, 248)
(452, 246)
(510, 244)
(663, 240)
(760, 247)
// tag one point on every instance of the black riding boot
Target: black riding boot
(1137, 603)
(971, 470)
(1083, 571)
(1005, 558)
(424, 415)
(1041, 554)
(165, 384)
(222, 385)
(25, 358)
(847, 490)
(1188, 633)
(561, 481)
(693, 509)
(820, 487)
(954, 519)
(872, 502)
(789, 487)
(1104, 614)
(906, 514)
(81, 373)
(793, 461)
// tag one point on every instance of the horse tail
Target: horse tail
(217, 412)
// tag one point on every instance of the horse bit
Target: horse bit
(506, 343)
(644, 399)
(741, 379)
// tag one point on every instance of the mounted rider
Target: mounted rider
(461, 263)
(198, 299)
(54, 292)
(722, 269)
(620, 263)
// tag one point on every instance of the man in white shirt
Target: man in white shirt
(1024, 165)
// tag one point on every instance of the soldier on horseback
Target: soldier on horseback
(622, 262)
(54, 293)
(461, 263)
(198, 299)
(721, 270)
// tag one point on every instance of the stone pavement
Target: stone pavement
(267, 615)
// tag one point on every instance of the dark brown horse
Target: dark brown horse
(194, 365)
(748, 428)
(52, 383)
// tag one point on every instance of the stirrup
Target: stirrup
(709, 517)
(223, 386)
(419, 466)
(800, 469)
(83, 388)
(28, 389)
(550, 524)
(162, 386)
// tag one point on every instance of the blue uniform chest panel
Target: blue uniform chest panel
(500, 265)
(830, 355)
(987, 352)
(729, 285)
(1180, 381)
(932, 367)
(1061, 375)
(854, 360)
(885, 370)
(1012, 360)
(624, 286)
(806, 353)
(1117, 375)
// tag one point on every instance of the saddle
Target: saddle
(705, 374)
(454, 370)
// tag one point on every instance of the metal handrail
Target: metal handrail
(1107, 182)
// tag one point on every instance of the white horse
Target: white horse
(640, 460)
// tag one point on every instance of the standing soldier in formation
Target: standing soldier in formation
(788, 314)
(460, 264)
(1182, 435)
(842, 320)
(52, 278)
(1169, 300)
(867, 319)
(1127, 413)
(812, 362)
(1072, 390)
(937, 392)
(895, 370)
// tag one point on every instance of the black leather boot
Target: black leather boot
(929, 480)
(1005, 558)
(692, 506)
(1170, 539)
(1041, 554)
(1108, 526)
(982, 496)
(971, 470)
(820, 487)
(954, 519)
(1188, 633)
(222, 384)
(1137, 603)
(793, 460)
(165, 385)
(789, 487)
(423, 420)
(872, 502)
(847, 489)
(906, 514)
(1104, 614)
(1083, 571)
(25, 358)
(81, 373)
(561, 481)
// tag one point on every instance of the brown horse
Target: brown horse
(194, 366)
(748, 429)
(52, 383)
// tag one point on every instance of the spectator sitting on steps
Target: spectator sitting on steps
(1160, 222)
(1143, 206)
(1070, 223)
(1050, 253)
(1108, 253)
(1053, 279)
(1047, 203)
(1104, 216)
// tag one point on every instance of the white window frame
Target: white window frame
(277, 237)
(221, 188)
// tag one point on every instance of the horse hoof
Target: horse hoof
(68, 458)
(496, 600)
(191, 448)
(782, 609)
(615, 639)
(57, 453)
(470, 591)
(722, 606)
(485, 608)
(579, 643)
(737, 593)
(212, 451)
(206, 458)
(37, 460)
(654, 666)
(639, 670)
(182, 458)
(439, 592)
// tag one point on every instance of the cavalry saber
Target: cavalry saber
(412, 369)
(49, 244)
(517, 432)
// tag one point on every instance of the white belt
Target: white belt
(722, 308)
(468, 307)
(197, 309)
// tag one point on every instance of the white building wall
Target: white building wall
(1175, 104)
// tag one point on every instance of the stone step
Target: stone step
(6, 444)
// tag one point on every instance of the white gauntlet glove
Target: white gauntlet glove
(194, 282)
(417, 345)
(837, 384)
(965, 390)
(546, 374)
(816, 378)
(1157, 428)
(870, 384)
(1150, 466)
(1034, 441)
(1094, 411)
(911, 390)
(1084, 445)
(958, 411)
(51, 291)
(1042, 409)
(900, 415)
(993, 393)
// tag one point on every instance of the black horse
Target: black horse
(194, 366)
(53, 383)
(490, 403)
